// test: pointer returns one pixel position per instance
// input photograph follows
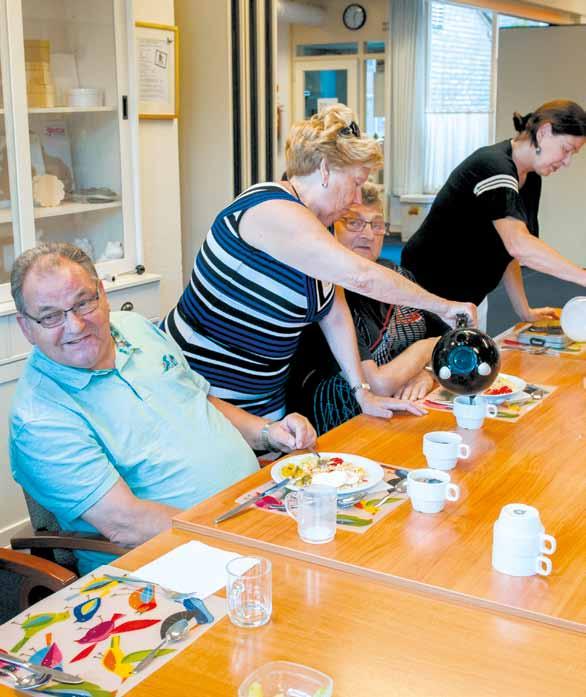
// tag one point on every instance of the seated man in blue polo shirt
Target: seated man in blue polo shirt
(110, 429)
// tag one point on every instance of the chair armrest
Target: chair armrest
(46, 539)
(40, 571)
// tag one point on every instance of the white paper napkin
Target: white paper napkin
(191, 568)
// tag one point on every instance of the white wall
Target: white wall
(578, 6)
(529, 76)
(284, 97)
(205, 131)
(159, 181)
(333, 29)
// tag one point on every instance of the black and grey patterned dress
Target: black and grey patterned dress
(316, 387)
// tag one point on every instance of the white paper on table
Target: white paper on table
(191, 568)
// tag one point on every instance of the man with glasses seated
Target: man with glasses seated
(395, 342)
(110, 428)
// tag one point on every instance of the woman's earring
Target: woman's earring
(538, 149)
(324, 184)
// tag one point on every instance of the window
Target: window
(507, 21)
(348, 49)
(459, 109)
(374, 93)
(374, 47)
(459, 87)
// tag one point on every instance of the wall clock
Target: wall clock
(354, 16)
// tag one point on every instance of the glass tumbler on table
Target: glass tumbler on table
(314, 508)
(249, 590)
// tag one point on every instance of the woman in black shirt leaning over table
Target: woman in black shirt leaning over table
(483, 223)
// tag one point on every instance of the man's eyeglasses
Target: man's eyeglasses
(57, 318)
(351, 129)
(377, 225)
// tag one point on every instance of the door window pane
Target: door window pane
(374, 46)
(324, 85)
(340, 49)
(374, 107)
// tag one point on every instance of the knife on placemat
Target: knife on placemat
(251, 502)
(57, 675)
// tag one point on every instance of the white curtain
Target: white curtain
(408, 61)
(449, 139)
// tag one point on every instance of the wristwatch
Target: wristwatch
(265, 439)
(360, 386)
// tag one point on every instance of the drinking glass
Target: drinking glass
(314, 509)
(250, 591)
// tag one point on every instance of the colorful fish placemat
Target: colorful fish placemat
(100, 628)
(442, 400)
(359, 517)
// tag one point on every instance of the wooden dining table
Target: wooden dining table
(539, 460)
(370, 638)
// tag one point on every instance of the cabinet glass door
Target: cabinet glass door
(72, 67)
(7, 247)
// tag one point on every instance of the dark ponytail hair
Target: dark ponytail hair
(565, 117)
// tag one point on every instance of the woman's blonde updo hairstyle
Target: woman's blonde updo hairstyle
(371, 195)
(319, 138)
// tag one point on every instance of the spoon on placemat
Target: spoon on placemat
(351, 499)
(176, 632)
(30, 681)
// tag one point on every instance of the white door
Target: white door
(320, 81)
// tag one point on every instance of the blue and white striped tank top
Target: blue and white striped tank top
(239, 320)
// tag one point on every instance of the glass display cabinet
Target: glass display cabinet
(68, 165)
(68, 158)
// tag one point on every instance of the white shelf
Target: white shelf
(69, 109)
(66, 208)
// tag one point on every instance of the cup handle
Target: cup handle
(491, 410)
(548, 544)
(291, 502)
(463, 451)
(452, 492)
(543, 565)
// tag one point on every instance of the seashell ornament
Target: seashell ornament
(48, 190)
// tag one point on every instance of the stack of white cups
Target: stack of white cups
(520, 544)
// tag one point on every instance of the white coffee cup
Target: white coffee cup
(520, 566)
(442, 449)
(471, 411)
(429, 489)
(520, 542)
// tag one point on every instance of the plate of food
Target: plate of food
(505, 388)
(347, 473)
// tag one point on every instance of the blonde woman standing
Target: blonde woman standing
(269, 267)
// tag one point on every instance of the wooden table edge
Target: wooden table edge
(417, 587)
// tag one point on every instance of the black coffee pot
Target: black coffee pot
(465, 360)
